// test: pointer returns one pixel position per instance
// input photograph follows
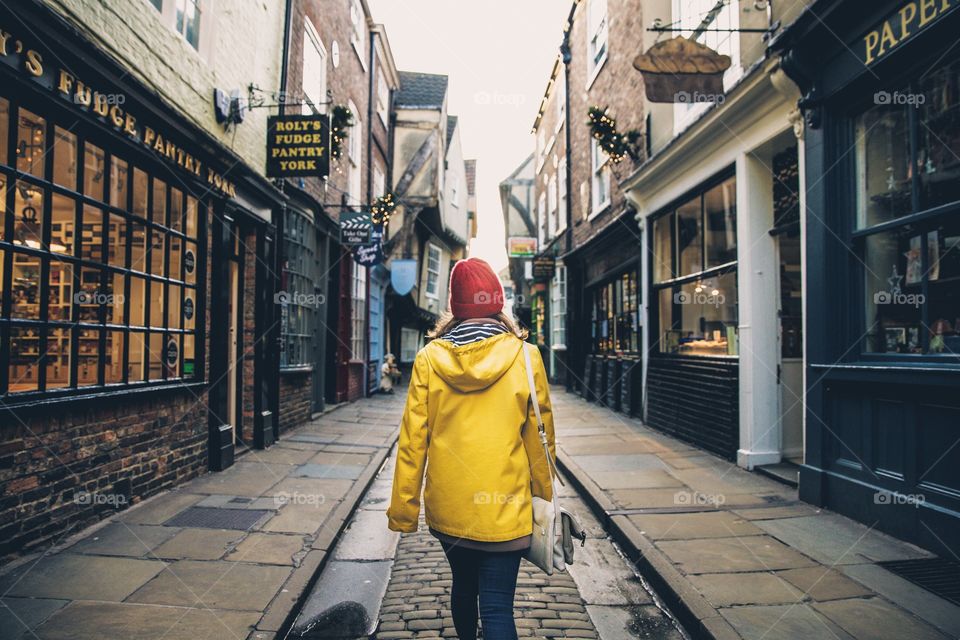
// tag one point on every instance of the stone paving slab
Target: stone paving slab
(120, 539)
(736, 554)
(19, 615)
(80, 577)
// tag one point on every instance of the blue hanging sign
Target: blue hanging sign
(403, 275)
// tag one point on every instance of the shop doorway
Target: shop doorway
(234, 372)
(790, 368)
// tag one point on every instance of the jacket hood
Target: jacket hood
(474, 366)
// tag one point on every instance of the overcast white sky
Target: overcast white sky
(498, 54)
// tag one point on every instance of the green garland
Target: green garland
(382, 208)
(615, 144)
(340, 122)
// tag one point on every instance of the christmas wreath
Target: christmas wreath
(615, 144)
(382, 208)
(340, 121)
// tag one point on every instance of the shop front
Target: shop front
(882, 140)
(124, 238)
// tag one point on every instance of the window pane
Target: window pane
(60, 298)
(700, 318)
(943, 307)
(65, 159)
(156, 356)
(157, 258)
(117, 243)
(158, 212)
(28, 209)
(138, 300)
(893, 289)
(115, 298)
(3, 205)
(171, 356)
(173, 307)
(119, 172)
(4, 128)
(176, 252)
(87, 357)
(939, 144)
(93, 171)
(191, 217)
(156, 303)
(883, 165)
(663, 248)
(58, 358)
(90, 297)
(138, 248)
(113, 358)
(139, 193)
(136, 369)
(189, 356)
(92, 243)
(25, 287)
(689, 237)
(24, 359)
(31, 143)
(176, 209)
(62, 224)
(720, 214)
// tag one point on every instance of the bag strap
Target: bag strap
(551, 465)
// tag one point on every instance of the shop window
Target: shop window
(314, 75)
(358, 312)
(409, 344)
(910, 254)
(615, 315)
(558, 308)
(84, 223)
(693, 256)
(299, 302)
(433, 271)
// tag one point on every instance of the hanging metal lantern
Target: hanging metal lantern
(682, 70)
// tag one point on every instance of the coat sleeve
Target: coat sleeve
(539, 471)
(404, 511)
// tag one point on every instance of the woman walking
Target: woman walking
(468, 411)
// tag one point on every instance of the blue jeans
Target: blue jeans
(487, 577)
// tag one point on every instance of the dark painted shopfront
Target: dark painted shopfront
(882, 153)
(603, 282)
(693, 367)
(125, 237)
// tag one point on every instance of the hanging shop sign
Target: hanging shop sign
(901, 25)
(544, 267)
(521, 247)
(298, 146)
(109, 106)
(403, 275)
(682, 70)
(356, 228)
(371, 254)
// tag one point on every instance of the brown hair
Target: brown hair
(446, 322)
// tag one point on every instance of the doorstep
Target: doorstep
(735, 554)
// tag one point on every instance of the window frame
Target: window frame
(358, 32)
(596, 63)
(563, 200)
(358, 312)
(311, 37)
(355, 156)
(435, 294)
(107, 268)
(599, 171)
(298, 231)
(558, 309)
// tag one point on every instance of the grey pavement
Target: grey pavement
(228, 555)
(736, 554)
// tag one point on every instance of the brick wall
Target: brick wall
(296, 389)
(116, 452)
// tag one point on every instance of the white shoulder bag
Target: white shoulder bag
(551, 546)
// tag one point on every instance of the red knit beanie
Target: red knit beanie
(475, 290)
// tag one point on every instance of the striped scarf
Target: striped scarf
(467, 332)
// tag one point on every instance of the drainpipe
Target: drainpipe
(285, 60)
(573, 354)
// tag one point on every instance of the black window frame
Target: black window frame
(87, 129)
(615, 312)
(290, 294)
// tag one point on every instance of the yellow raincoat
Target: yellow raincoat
(468, 412)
